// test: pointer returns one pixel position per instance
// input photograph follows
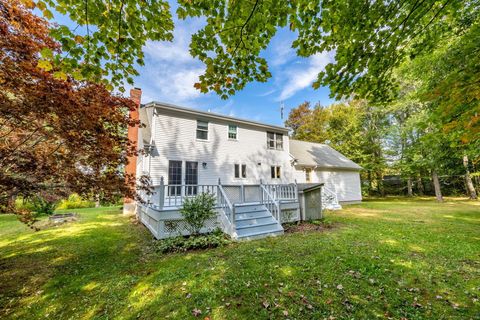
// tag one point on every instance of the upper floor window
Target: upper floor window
(232, 132)
(202, 130)
(275, 140)
(240, 170)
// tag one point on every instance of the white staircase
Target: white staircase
(254, 221)
(329, 199)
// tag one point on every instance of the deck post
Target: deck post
(161, 193)
(242, 193)
(260, 189)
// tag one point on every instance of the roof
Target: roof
(319, 155)
(212, 115)
(306, 187)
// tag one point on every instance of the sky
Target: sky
(170, 72)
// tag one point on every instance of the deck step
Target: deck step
(254, 221)
(257, 224)
(249, 208)
(259, 235)
(251, 215)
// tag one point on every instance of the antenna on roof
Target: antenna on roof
(282, 106)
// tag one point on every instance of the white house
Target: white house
(251, 167)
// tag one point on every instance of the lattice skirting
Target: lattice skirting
(289, 215)
(170, 224)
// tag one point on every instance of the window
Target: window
(232, 132)
(275, 172)
(191, 178)
(174, 178)
(202, 130)
(275, 140)
(237, 172)
(308, 171)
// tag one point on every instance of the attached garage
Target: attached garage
(319, 163)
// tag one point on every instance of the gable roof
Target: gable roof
(212, 115)
(319, 155)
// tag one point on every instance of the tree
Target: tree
(107, 43)
(297, 117)
(354, 128)
(370, 39)
(55, 133)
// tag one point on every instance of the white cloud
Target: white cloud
(300, 78)
(170, 71)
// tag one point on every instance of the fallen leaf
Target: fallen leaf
(196, 312)
(265, 304)
(340, 287)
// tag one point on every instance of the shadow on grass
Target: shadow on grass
(104, 267)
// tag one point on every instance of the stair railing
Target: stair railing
(270, 202)
(329, 198)
(228, 209)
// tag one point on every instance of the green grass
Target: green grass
(392, 258)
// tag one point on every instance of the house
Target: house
(315, 162)
(252, 168)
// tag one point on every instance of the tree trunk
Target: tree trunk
(409, 187)
(421, 189)
(436, 185)
(97, 200)
(468, 179)
(380, 188)
(370, 186)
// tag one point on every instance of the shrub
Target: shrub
(197, 210)
(45, 202)
(194, 242)
(74, 201)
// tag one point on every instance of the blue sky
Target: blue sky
(170, 72)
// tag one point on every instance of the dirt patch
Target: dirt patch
(308, 226)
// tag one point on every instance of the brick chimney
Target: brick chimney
(131, 167)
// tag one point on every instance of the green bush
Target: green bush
(45, 202)
(24, 204)
(74, 201)
(197, 210)
(194, 242)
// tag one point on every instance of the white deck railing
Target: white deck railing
(272, 204)
(173, 195)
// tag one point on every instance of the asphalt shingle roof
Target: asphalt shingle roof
(320, 155)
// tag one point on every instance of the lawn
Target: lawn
(395, 258)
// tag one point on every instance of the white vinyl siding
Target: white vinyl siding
(345, 182)
(175, 139)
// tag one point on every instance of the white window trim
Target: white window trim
(240, 177)
(275, 134)
(207, 130)
(228, 132)
(275, 175)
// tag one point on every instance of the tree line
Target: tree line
(430, 128)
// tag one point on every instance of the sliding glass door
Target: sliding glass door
(191, 178)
